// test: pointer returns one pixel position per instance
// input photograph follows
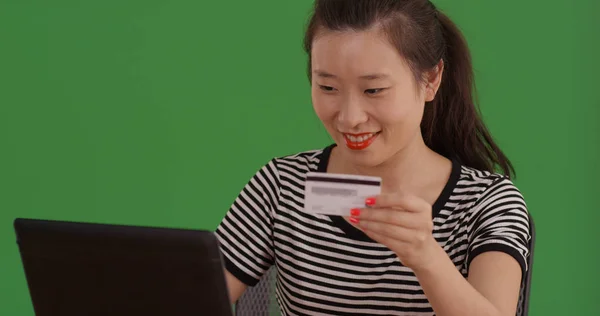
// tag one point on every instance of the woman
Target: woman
(392, 83)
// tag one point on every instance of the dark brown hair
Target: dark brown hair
(452, 125)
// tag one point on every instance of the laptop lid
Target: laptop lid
(99, 269)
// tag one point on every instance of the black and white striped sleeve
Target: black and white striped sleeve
(245, 233)
(500, 222)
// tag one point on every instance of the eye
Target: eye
(374, 91)
(326, 88)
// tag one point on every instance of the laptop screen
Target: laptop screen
(99, 269)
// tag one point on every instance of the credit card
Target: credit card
(337, 194)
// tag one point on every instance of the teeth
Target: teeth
(359, 139)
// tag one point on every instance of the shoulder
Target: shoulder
(291, 169)
(493, 198)
(498, 218)
(313, 156)
(299, 163)
(484, 185)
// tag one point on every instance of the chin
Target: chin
(366, 158)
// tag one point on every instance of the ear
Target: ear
(433, 81)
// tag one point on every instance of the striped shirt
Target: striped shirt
(326, 266)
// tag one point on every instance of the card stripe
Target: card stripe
(342, 180)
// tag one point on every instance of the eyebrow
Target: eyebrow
(324, 74)
(374, 76)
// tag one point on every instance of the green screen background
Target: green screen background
(158, 112)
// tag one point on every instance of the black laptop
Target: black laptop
(99, 269)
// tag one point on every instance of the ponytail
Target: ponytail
(452, 124)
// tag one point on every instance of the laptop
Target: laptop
(75, 268)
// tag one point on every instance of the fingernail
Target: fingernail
(354, 220)
(370, 201)
(355, 212)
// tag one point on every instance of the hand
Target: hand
(401, 223)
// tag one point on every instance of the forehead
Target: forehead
(355, 53)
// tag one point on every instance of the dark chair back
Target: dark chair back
(523, 307)
(259, 300)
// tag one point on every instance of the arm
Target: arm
(496, 259)
(492, 287)
(245, 232)
(236, 287)
(498, 237)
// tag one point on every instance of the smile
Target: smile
(360, 141)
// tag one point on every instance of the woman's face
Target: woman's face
(366, 96)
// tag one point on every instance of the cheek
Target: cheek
(402, 112)
(395, 109)
(324, 108)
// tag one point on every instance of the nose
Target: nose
(351, 113)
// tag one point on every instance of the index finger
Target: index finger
(405, 202)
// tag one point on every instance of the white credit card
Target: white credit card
(337, 194)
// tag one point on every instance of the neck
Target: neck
(414, 170)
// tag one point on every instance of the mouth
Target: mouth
(360, 141)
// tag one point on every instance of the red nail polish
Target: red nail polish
(355, 212)
(370, 201)
(354, 220)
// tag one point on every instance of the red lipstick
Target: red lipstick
(359, 141)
